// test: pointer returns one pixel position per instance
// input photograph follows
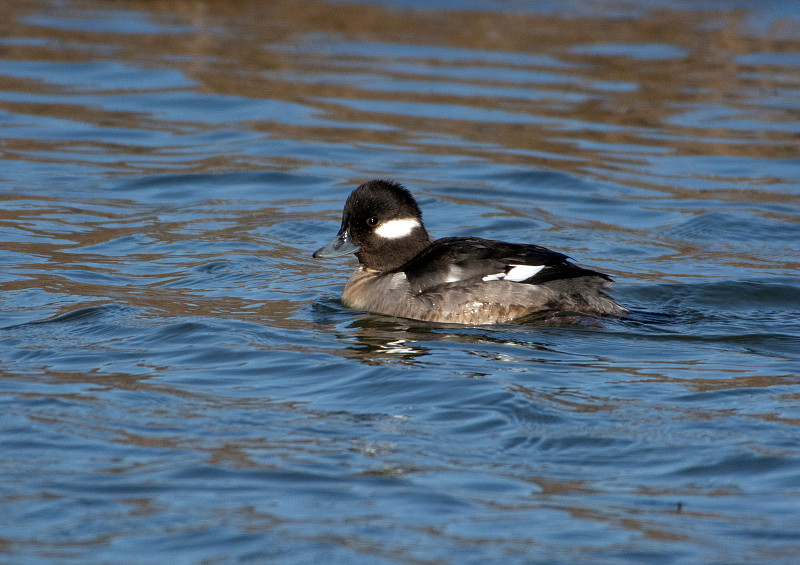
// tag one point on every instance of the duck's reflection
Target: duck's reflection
(377, 339)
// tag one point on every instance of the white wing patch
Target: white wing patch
(395, 229)
(454, 274)
(515, 273)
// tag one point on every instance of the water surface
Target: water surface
(181, 383)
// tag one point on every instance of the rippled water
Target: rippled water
(181, 384)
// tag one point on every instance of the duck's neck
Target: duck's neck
(391, 254)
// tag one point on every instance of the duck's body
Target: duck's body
(464, 280)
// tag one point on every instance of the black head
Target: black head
(381, 224)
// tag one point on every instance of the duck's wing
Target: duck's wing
(472, 259)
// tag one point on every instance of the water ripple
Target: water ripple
(180, 378)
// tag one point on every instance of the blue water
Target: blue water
(180, 382)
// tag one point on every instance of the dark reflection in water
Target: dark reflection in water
(180, 382)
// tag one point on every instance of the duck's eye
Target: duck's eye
(372, 221)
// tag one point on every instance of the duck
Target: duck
(402, 272)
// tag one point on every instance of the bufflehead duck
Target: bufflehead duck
(463, 280)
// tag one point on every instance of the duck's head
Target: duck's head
(381, 224)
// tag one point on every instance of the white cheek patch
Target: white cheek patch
(395, 229)
(515, 273)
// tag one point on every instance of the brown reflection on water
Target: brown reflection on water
(72, 251)
(249, 49)
(707, 74)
